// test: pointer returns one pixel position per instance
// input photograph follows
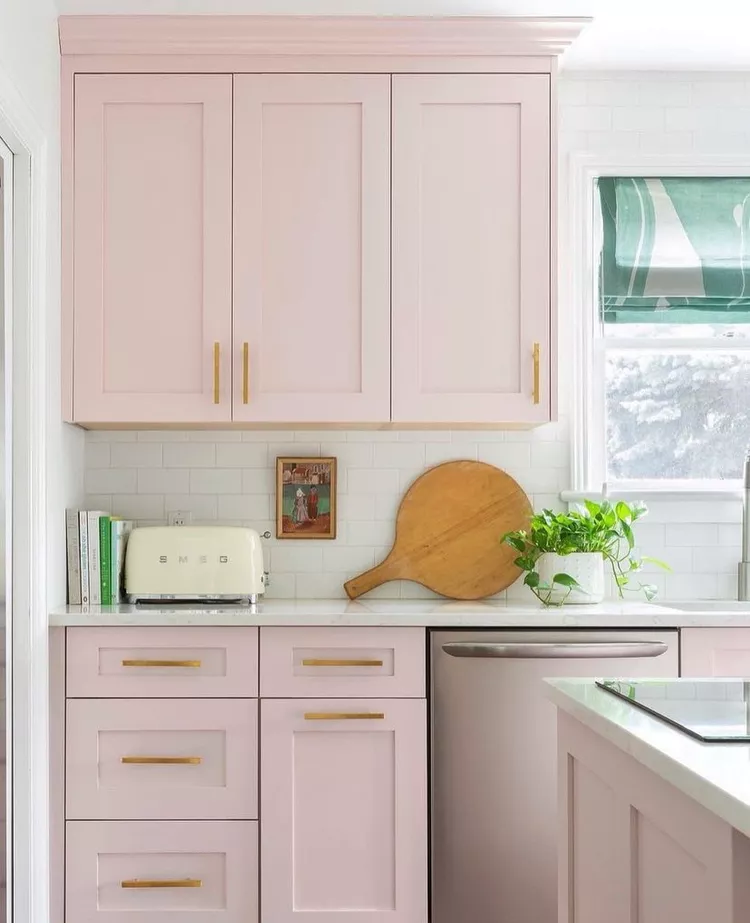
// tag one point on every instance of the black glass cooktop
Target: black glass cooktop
(714, 711)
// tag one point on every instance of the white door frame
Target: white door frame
(26, 422)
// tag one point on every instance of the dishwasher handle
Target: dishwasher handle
(555, 650)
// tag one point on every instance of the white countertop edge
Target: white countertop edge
(704, 772)
(391, 613)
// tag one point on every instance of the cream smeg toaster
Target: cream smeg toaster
(199, 563)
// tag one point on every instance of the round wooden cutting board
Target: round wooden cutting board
(448, 532)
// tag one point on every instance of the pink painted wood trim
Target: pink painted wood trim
(222, 855)
(228, 656)
(340, 241)
(307, 871)
(222, 733)
(57, 773)
(715, 652)
(402, 651)
(554, 344)
(67, 328)
(305, 64)
(321, 35)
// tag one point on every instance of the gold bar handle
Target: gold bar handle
(162, 883)
(245, 373)
(343, 716)
(161, 663)
(217, 357)
(162, 760)
(322, 662)
(535, 355)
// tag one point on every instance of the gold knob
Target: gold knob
(217, 357)
(535, 354)
(245, 373)
(343, 716)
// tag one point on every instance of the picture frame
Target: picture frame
(305, 498)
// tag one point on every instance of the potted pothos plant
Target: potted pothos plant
(563, 555)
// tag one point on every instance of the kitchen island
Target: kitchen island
(654, 824)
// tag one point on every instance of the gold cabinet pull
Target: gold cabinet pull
(161, 663)
(344, 716)
(162, 760)
(535, 355)
(322, 662)
(162, 883)
(217, 357)
(245, 373)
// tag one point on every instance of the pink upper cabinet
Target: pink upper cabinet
(311, 248)
(152, 248)
(471, 248)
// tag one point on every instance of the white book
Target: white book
(72, 532)
(95, 577)
(121, 529)
(83, 543)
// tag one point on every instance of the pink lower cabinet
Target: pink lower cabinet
(162, 759)
(715, 652)
(344, 810)
(149, 872)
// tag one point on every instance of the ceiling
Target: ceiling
(625, 35)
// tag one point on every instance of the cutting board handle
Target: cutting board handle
(375, 577)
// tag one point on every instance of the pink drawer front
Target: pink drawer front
(135, 872)
(162, 662)
(138, 759)
(341, 662)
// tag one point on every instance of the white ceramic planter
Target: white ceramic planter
(585, 567)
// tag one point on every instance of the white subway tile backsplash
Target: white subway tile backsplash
(371, 533)
(189, 455)
(215, 481)
(163, 480)
(244, 507)
(686, 534)
(373, 481)
(138, 506)
(110, 481)
(243, 455)
(201, 507)
(297, 556)
(409, 455)
(97, 454)
(136, 455)
(440, 452)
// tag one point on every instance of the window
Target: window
(670, 393)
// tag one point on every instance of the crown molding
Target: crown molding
(317, 35)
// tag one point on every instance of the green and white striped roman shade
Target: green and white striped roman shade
(675, 250)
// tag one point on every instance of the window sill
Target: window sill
(711, 494)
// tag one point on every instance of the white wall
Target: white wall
(229, 476)
(29, 56)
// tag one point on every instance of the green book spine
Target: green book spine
(105, 530)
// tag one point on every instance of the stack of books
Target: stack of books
(96, 557)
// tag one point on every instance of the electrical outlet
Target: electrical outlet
(180, 518)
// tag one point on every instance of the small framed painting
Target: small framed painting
(306, 498)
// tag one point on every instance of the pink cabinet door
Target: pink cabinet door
(344, 808)
(161, 872)
(152, 248)
(311, 247)
(161, 759)
(715, 652)
(471, 248)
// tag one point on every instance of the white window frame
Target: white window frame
(579, 293)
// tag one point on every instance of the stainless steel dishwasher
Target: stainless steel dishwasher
(494, 823)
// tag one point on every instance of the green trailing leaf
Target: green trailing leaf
(623, 511)
(656, 562)
(565, 580)
(531, 579)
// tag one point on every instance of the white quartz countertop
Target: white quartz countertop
(427, 613)
(716, 776)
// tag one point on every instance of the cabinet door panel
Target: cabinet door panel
(715, 652)
(471, 247)
(311, 242)
(152, 293)
(348, 801)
